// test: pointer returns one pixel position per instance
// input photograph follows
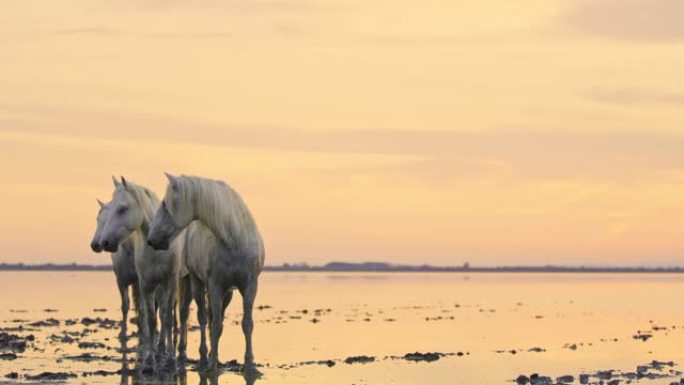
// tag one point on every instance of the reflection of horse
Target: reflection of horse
(124, 267)
(132, 208)
(235, 260)
(180, 378)
(133, 376)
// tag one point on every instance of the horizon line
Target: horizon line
(338, 266)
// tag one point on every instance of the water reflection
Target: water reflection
(132, 375)
(476, 313)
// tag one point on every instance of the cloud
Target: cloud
(436, 156)
(107, 31)
(96, 31)
(258, 6)
(635, 95)
(630, 19)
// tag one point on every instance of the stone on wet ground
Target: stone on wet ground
(91, 345)
(428, 357)
(45, 323)
(359, 360)
(14, 343)
(8, 356)
(51, 376)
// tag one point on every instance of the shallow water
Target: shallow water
(386, 314)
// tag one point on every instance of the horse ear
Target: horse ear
(116, 182)
(171, 178)
(123, 181)
(101, 203)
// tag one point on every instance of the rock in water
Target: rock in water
(428, 357)
(8, 356)
(13, 342)
(52, 376)
(359, 360)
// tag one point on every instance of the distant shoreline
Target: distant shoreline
(379, 267)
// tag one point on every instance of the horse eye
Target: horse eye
(122, 209)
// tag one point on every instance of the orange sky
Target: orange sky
(498, 132)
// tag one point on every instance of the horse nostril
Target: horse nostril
(94, 246)
(105, 244)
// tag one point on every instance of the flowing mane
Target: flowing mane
(220, 208)
(146, 199)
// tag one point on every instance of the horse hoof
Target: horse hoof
(147, 363)
(170, 364)
(147, 370)
(147, 367)
(207, 370)
(210, 368)
(251, 371)
(202, 365)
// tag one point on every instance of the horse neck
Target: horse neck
(221, 223)
(139, 240)
(139, 235)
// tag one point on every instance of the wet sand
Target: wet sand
(370, 328)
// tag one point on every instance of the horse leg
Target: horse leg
(147, 323)
(199, 293)
(216, 302)
(175, 322)
(157, 303)
(161, 340)
(165, 346)
(184, 310)
(248, 293)
(125, 303)
(136, 305)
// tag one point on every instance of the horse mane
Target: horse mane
(147, 200)
(220, 208)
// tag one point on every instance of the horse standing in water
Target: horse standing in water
(124, 268)
(133, 208)
(237, 258)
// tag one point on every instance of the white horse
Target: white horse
(124, 267)
(133, 207)
(236, 259)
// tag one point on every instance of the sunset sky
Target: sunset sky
(494, 132)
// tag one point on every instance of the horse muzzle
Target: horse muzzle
(96, 247)
(110, 246)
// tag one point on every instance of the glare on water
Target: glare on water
(320, 316)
